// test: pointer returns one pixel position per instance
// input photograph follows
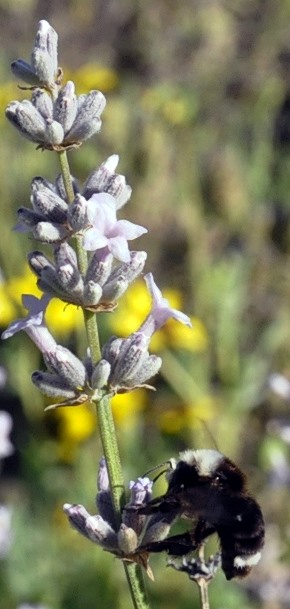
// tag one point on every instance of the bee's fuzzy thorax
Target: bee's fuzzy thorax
(206, 461)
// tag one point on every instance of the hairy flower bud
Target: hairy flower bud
(66, 106)
(100, 374)
(48, 232)
(53, 385)
(26, 118)
(23, 70)
(87, 121)
(100, 266)
(44, 54)
(94, 528)
(104, 179)
(42, 101)
(113, 290)
(127, 539)
(64, 363)
(77, 213)
(104, 498)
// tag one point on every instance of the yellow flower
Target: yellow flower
(135, 306)
(75, 426)
(126, 406)
(63, 318)
(92, 76)
(189, 416)
(7, 307)
(131, 311)
(8, 91)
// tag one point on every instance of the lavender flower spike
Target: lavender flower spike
(106, 230)
(161, 310)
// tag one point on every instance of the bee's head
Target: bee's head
(196, 467)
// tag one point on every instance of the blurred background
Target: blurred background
(198, 108)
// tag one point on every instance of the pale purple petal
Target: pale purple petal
(101, 208)
(94, 240)
(119, 248)
(127, 229)
(106, 231)
(36, 310)
(42, 338)
(161, 310)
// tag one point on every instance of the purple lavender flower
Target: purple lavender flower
(35, 318)
(161, 310)
(106, 230)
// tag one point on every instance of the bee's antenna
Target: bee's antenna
(153, 469)
(208, 431)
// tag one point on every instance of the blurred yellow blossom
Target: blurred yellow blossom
(126, 405)
(75, 426)
(63, 318)
(7, 307)
(189, 416)
(135, 306)
(93, 76)
(8, 91)
(176, 105)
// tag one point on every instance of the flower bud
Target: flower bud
(87, 121)
(111, 349)
(132, 353)
(54, 133)
(52, 385)
(47, 232)
(77, 213)
(100, 266)
(64, 363)
(38, 262)
(92, 294)
(44, 54)
(27, 220)
(104, 498)
(100, 375)
(64, 254)
(26, 118)
(65, 107)
(104, 179)
(150, 367)
(23, 70)
(127, 539)
(93, 527)
(43, 103)
(113, 290)
(159, 526)
(49, 205)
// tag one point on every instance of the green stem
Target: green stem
(111, 452)
(105, 417)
